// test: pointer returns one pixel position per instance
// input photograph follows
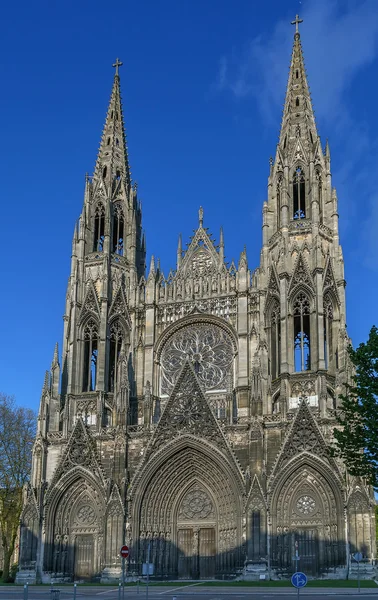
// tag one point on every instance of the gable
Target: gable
(304, 436)
(90, 304)
(301, 275)
(188, 412)
(80, 452)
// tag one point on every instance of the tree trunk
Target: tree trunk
(7, 558)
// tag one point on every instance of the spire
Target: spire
(55, 360)
(221, 245)
(298, 119)
(112, 160)
(179, 251)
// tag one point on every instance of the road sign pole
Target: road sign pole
(123, 578)
(148, 568)
(358, 575)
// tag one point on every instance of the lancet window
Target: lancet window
(114, 352)
(279, 198)
(299, 198)
(90, 356)
(118, 230)
(99, 228)
(302, 343)
(328, 321)
(275, 340)
(319, 183)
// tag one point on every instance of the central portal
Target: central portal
(196, 553)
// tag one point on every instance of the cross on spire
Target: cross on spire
(117, 64)
(296, 22)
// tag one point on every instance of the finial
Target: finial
(296, 23)
(117, 64)
(200, 216)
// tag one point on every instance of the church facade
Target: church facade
(191, 416)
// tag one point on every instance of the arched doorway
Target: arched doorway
(307, 515)
(188, 509)
(75, 543)
(197, 528)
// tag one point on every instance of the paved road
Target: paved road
(191, 592)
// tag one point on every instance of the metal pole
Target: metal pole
(25, 592)
(75, 589)
(148, 568)
(119, 591)
(123, 578)
(358, 575)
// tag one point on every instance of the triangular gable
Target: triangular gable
(304, 435)
(274, 284)
(256, 498)
(329, 282)
(301, 275)
(187, 412)
(90, 304)
(80, 452)
(115, 505)
(119, 306)
(201, 255)
(298, 152)
(30, 510)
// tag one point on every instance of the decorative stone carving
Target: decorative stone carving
(195, 505)
(306, 505)
(86, 515)
(207, 347)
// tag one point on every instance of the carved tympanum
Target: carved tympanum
(196, 504)
(306, 505)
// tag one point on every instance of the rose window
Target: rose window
(209, 349)
(306, 505)
(196, 505)
(86, 514)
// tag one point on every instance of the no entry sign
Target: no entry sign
(124, 552)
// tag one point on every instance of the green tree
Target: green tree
(357, 438)
(17, 433)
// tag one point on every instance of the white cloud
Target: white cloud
(339, 39)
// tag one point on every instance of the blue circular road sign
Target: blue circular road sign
(299, 579)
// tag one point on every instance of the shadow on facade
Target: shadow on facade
(195, 556)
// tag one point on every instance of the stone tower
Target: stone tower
(194, 412)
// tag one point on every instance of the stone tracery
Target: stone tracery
(207, 347)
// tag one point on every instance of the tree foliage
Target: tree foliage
(357, 439)
(17, 433)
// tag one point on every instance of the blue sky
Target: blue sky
(203, 84)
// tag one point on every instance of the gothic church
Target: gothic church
(194, 413)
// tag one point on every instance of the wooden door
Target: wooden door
(84, 556)
(207, 553)
(185, 553)
(308, 550)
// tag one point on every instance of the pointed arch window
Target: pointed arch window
(275, 341)
(279, 198)
(299, 198)
(328, 322)
(118, 230)
(116, 335)
(302, 338)
(90, 356)
(99, 228)
(319, 183)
